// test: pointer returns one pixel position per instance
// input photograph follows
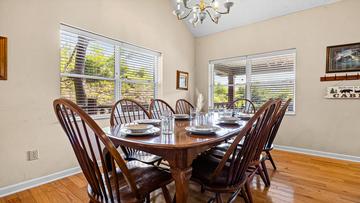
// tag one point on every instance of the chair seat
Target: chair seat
(144, 157)
(147, 179)
(220, 150)
(203, 168)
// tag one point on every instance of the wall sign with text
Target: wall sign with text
(343, 92)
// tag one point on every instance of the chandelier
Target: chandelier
(197, 10)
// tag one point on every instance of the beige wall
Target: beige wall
(319, 124)
(27, 120)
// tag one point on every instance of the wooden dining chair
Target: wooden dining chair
(119, 182)
(183, 106)
(257, 164)
(278, 120)
(127, 111)
(244, 105)
(228, 174)
(158, 107)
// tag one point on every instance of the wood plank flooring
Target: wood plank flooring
(299, 178)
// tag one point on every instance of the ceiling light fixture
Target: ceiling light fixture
(197, 10)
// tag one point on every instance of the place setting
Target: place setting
(136, 129)
(202, 124)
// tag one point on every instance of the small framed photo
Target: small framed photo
(343, 58)
(182, 80)
(3, 58)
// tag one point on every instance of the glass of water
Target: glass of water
(167, 123)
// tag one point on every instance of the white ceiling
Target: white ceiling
(245, 12)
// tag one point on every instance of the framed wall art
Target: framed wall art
(343, 58)
(3, 58)
(182, 80)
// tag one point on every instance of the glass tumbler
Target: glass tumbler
(193, 115)
(167, 124)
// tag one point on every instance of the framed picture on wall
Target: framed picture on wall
(182, 80)
(343, 58)
(3, 58)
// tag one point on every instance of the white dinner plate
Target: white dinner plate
(202, 130)
(151, 131)
(149, 121)
(138, 128)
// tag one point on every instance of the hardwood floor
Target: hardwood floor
(299, 178)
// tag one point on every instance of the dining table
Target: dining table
(179, 148)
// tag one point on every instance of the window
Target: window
(254, 77)
(97, 71)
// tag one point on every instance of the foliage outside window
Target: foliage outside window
(97, 71)
(254, 77)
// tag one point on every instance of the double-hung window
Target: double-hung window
(96, 71)
(254, 77)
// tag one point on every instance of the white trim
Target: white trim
(7, 190)
(211, 86)
(90, 34)
(318, 153)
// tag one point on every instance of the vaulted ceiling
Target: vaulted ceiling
(245, 12)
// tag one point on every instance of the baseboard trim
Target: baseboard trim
(7, 190)
(318, 153)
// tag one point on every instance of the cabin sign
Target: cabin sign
(343, 92)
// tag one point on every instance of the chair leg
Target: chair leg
(218, 198)
(166, 194)
(260, 170)
(248, 191)
(233, 196)
(244, 195)
(271, 159)
(202, 190)
(263, 165)
(211, 200)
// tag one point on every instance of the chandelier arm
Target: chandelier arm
(186, 4)
(211, 17)
(223, 12)
(185, 16)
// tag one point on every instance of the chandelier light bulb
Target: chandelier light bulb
(216, 5)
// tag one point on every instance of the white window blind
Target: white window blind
(97, 71)
(255, 77)
(273, 77)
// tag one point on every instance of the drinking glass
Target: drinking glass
(167, 123)
(193, 114)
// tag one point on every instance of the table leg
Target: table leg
(181, 178)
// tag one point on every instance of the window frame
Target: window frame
(248, 59)
(118, 45)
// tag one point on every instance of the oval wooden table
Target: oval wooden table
(179, 149)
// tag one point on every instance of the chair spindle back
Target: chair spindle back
(158, 107)
(244, 105)
(183, 106)
(276, 125)
(87, 139)
(126, 111)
